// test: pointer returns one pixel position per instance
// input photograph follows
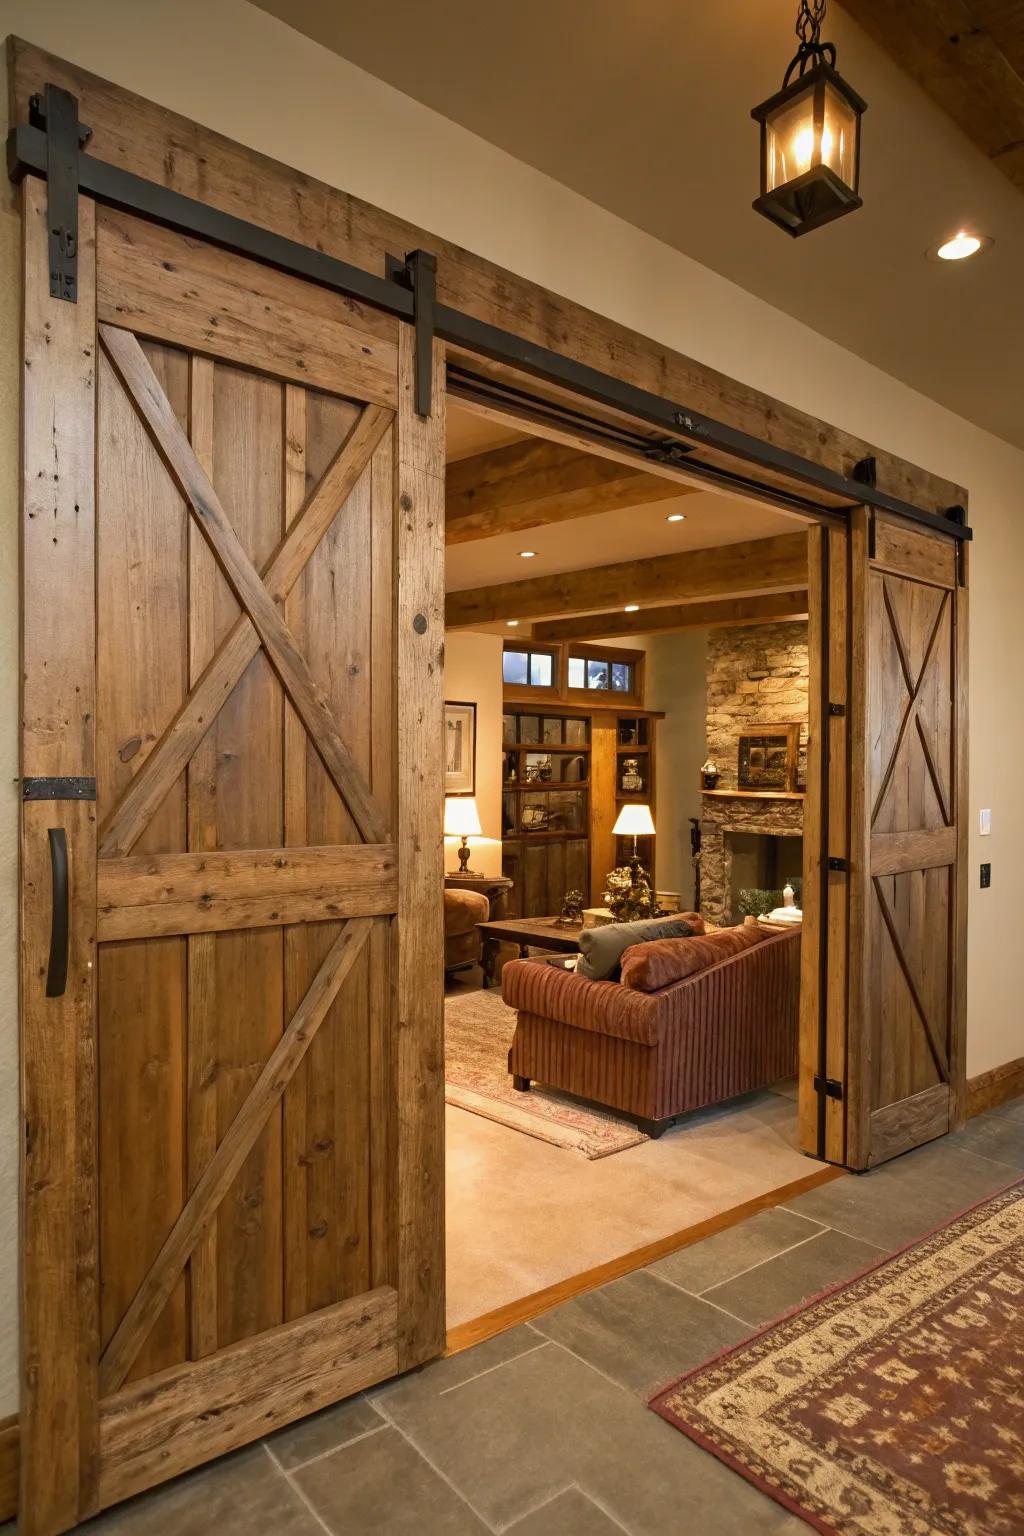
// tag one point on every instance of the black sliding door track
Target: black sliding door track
(407, 292)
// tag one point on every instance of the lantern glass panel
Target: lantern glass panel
(795, 143)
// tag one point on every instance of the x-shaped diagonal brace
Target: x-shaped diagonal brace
(261, 621)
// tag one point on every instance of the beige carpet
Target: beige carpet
(478, 1031)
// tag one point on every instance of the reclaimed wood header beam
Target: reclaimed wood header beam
(731, 611)
(533, 483)
(777, 564)
(174, 151)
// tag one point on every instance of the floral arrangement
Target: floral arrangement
(628, 895)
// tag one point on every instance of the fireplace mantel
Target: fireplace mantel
(755, 794)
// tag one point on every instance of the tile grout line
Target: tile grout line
(597, 1370)
(300, 1466)
(822, 1229)
(436, 1469)
(299, 1493)
(544, 1340)
(888, 1249)
(536, 1508)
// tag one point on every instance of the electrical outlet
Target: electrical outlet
(985, 823)
(986, 876)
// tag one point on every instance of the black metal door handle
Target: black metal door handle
(57, 971)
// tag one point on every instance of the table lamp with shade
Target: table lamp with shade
(461, 819)
(634, 821)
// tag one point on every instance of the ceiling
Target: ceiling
(645, 109)
(604, 539)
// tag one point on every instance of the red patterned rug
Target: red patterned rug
(892, 1405)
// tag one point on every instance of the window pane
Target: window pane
(577, 672)
(514, 669)
(622, 676)
(597, 674)
(540, 669)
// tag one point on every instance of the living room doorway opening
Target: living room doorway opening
(630, 676)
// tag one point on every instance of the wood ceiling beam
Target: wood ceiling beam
(757, 566)
(164, 147)
(732, 611)
(534, 483)
(968, 55)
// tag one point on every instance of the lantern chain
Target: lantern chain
(811, 50)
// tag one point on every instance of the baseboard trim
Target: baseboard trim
(465, 1335)
(996, 1086)
(8, 1468)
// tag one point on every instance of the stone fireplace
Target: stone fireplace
(725, 820)
(756, 677)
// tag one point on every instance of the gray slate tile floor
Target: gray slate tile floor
(543, 1431)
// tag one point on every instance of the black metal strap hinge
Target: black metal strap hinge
(841, 865)
(829, 1086)
(58, 789)
(56, 112)
(865, 471)
(418, 272)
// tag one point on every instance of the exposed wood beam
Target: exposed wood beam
(968, 55)
(731, 611)
(160, 145)
(532, 483)
(777, 564)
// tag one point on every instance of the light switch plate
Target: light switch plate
(985, 823)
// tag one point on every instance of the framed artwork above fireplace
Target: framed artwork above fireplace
(767, 759)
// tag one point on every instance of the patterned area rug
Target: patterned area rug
(478, 1030)
(892, 1405)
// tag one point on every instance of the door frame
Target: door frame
(842, 473)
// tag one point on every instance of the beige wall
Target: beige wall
(472, 675)
(245, 74)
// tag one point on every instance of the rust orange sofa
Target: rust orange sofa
(727, 1028)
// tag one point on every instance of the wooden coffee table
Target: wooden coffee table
(528, 933)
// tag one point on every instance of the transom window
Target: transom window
(601, 674)
(528, 669)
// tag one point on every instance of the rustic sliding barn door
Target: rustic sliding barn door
(889, 770)
(233, 623)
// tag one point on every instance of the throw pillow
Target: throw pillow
(601, 948)
(648, 967)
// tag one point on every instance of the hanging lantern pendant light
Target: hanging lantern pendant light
(810, 136)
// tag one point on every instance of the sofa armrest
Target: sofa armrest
(604, 1007)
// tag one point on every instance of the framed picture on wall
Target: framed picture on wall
(768, 758)
(459, 748)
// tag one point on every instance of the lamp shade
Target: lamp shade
(461, 818)
(634, 821)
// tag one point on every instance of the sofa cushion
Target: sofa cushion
(651, 966)
(602, 948)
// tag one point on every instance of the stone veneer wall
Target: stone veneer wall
(756, 676)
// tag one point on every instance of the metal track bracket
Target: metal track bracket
(56, 112)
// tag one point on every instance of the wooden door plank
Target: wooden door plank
(157, 282)
(896, 1128)
(172, 753)
(201, 785)
(905, 552)
(153, 894)
(189, 1414)
(419, 653)
(892, 853)
(958, 912)
(59, 1306)
(230, 1155)
(306, 694)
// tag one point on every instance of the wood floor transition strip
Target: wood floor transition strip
(477, 1331)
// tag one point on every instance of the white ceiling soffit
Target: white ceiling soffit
(645, 109)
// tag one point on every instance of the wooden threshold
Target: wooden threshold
(465, 1335)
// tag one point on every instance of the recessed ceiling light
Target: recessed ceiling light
(676, 517)
(511, 623)
(960, 246)
(527, 554)
(631, 608)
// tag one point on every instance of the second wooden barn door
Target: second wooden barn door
(907, 911)
(267, 634)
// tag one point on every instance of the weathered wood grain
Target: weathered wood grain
(733, 612)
